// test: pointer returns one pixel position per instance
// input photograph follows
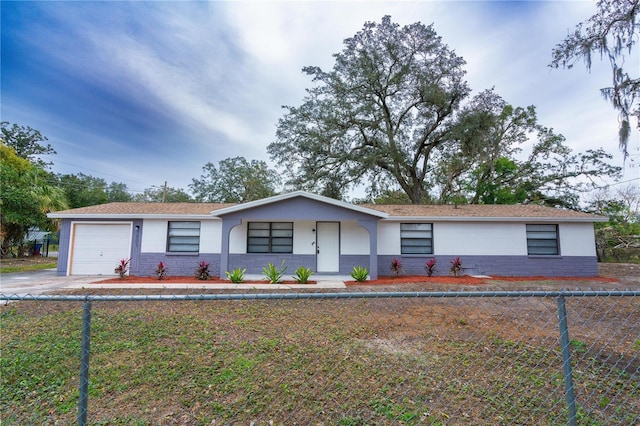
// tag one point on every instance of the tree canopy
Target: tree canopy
(501, 154)
(26, 143)
(236, 180)
(25, 198)
(163, 195)
(393, 113)
(84, 190)
(619, 238)
(379, 114)
(612, 32)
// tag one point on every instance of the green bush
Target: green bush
(302, 275)
(359, 273)
(274, 274)
(237, 275)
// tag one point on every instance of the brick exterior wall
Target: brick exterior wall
(177, 265)
(255, 262)
(579, 266)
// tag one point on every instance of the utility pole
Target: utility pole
(164, 192)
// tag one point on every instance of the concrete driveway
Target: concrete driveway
(39, 282)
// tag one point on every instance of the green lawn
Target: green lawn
(334, 362)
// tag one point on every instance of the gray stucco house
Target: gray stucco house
(326, 235)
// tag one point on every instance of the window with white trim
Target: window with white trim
(416, 238)
(270, 237)
(183, 237)
(542, 240)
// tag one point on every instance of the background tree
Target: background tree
(85, 190)
(619, 238)
(162, 194)
(612, 32)
(117, 192)
(485, 161)
(26, 143)
(25, 199)
(236, 180)
(377, 116)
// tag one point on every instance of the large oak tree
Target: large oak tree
(393, 114)
(378, 115)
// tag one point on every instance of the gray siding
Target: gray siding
(177, 265)
(580, 266)
(63, 246)
(255, 262)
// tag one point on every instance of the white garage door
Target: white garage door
(97, 248)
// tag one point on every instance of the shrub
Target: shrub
(161, 271)
(430, 267)
(122, 268)
(237, 275)
(302, 275)
(456, 266)
(359, 273)
(396, 267)
(274, 274)
(202, 271)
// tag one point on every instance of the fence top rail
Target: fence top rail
(340, 295)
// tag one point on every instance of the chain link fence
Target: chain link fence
(344, 358)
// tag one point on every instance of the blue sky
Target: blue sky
(146, 92)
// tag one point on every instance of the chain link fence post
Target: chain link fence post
(85, 351)
(566, 361)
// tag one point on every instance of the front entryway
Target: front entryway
(328, 247)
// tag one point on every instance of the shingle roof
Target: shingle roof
(480, 211)
(145, 209)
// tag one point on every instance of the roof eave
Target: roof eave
(496, 219)
(130, 216)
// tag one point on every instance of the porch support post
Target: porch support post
(372, 227)
(227, 225)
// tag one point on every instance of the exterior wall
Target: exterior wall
(354, 239)
(577, 239)
(478, 238)
(579, 266)
(347, 263)
(489, 248)
(154, 236)
(64, 242)
(176, 264)
(255, 262)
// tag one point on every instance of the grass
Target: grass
(344, 362)
(27, 264)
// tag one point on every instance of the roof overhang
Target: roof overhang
(496, 219)
(298, 194)
(129, 216)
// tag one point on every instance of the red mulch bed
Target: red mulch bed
(409, 279)
(134, 279)
(469, 280)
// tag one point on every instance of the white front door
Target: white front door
(328, 246)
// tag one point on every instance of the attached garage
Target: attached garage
(96, 248)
